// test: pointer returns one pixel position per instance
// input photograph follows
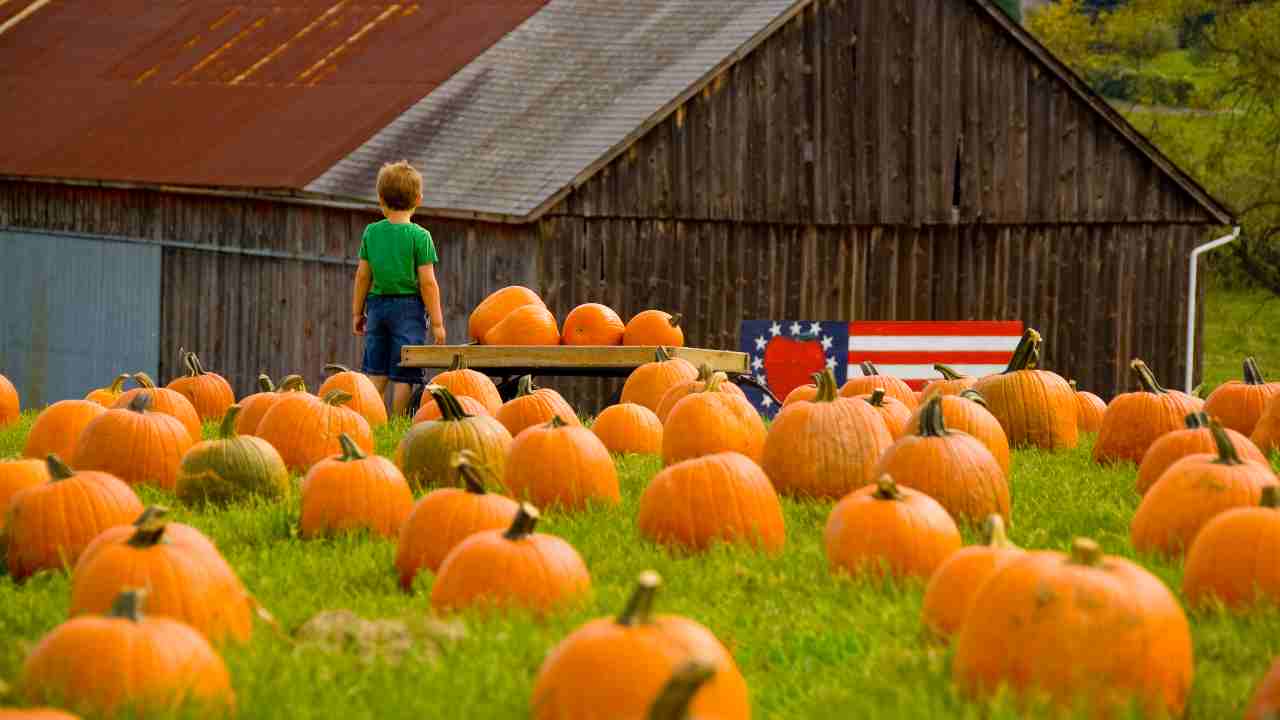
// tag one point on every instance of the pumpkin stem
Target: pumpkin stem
(676, 697)
(58, 470)
(335, 368)
(140, 402)
(887, 489)
(465, 462)
(1252, 375)
(525, 386)
(128, 605)
(1025, 354)
(826, 384)
(948, 372)
(556, 422)
(1085, 551)
(1146, 378)
(150, 527)
(1227, 454)
(996, 536)
(525, 521)
(975, 396)
(1270, 497)
(190, 364)
(675, 319)
(199, 366)
(227, 429)
(292, 383)
(450, 409)
(1073, 385)
(869, 368)
(932, 422)
(877, 398)
(336, 397)
(713, 384)
(117, 385)
(459, 362)
(265, 384)
(662, 354)
(639, 609)
(704, 373)
(1197, 420)
(350, 451)
(144, 380)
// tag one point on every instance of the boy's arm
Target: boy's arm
(430, 290)
(364, 278)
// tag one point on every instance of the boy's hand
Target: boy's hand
(437, 331)
(357, 325)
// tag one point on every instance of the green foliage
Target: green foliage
(1013, 8)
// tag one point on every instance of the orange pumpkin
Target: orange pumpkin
(1192, 491)
(462, 381)
(447, 516)
(952, 383)
(710, 422)
(165, 401)
(681, 390)
(872, 379)
(1090, 409)
(254, 407)
(35, 714)
(1266, 435)
(949, 594)
(675, 700)
(1195, 438)
(563, 466)
(648, 383)
(10, 405)
(1266, 699)
(826, 448)
(354, 491)
(425, 453)
(107, 396)
(1035, 407)
(883, 529)
(152, 665)
(16, 476)
(497, 306)
(629, 428)
(516, 567)
(1239, 405)
(210, 393)
(892, 411)
(306, 430)
(1235, 557)
(967, 412)
(801, 392)
(642, 649)
(1135, 420)
(186, 577)
(50, 524)
(57, 428)
(592, 324)
(723, 497)
(365, 398)
(532, 406)
(1089, 627)
(430, 409)
(134, 444)
(654, 327)
(526, 325)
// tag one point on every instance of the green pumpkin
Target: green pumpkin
(232, 468)
(426, 450)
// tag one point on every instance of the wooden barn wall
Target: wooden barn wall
(871, 113)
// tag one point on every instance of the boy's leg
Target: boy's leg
(410, 329)
(380, 382)
(401, 393)
(377, 345)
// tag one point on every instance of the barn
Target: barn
(197, 175)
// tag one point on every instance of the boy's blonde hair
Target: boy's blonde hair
(399, 185)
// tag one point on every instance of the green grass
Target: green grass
(1239, 323)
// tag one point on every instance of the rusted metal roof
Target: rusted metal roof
(223, 94)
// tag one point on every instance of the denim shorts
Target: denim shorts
(393, 322)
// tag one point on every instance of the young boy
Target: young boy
(397, 276)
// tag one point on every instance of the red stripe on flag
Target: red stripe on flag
(916, 384)
(920, 357)
(962, 327)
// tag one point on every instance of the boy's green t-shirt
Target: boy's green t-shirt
(395, 252)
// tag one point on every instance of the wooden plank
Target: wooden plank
(580, 359)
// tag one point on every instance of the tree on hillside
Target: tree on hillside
(1012, 7)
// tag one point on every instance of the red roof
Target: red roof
(262, 95)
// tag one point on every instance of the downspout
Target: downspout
(1191, 299)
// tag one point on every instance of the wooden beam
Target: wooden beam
(565, 359)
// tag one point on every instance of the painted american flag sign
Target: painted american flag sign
(785, 353)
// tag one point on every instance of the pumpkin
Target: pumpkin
(1234, 556)
(1090, 409)
(134, 444)
(185, 576)
(952, 383)
(1135, 420)
(106, 396)
(57, 428)
(801, 392)
(654, 327)
(723, 497)
(950, 466)
(710, 422)
(675, 700)
(563, 466)
(826, 448)
(629, 428)
(354, 491)
(447, 516)
(1265, 704)
(1239, 405)
(365, 398)
(151, 665)
(592, 324)
(532, 406)
(681, 390)
(967, 412)
(891, 410)
(1089, 627)
(462, 381)
(1194, 438)
(885, 529)
(305, 430)
(165, 401)
(429, 409)
(15, 476)
(35, 714)
(949, 594)
(254, 407)
(1035, 407)
(10, 405)
(497, 306)
(425, 453)
(648, 383)
(513, 567)
(526, 325)
(1192, 491)
(872, 379)
(49, 525)
(231, 468)
(1266, 435)
(641, 649)
(210, 393)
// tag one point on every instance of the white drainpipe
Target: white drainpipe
(1191, 299)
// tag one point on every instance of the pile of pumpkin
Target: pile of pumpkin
(902, 469)
(516, 315)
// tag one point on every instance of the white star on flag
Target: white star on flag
(765, 401)
(775, 329)
(826, 343)
(760, 343)
(815, 329)
(795, 328)
(762, 379)
(757, 364)
(831, 363)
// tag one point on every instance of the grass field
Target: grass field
(811, 645)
